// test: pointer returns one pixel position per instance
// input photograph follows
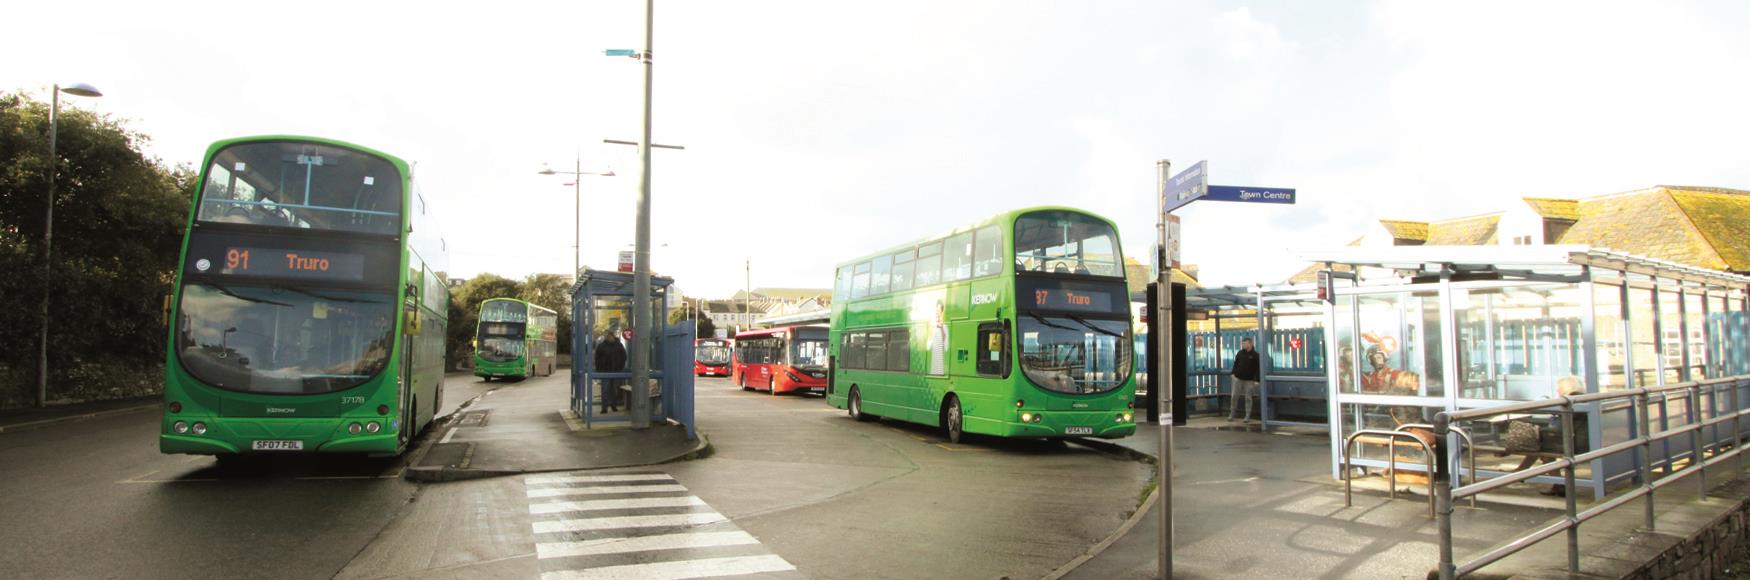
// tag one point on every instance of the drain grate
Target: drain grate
(473, 419)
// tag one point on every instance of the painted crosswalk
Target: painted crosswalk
(638, 525)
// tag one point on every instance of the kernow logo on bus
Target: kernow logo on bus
(978, 299)
(281, 410)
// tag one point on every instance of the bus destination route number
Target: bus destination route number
(278, 263)
(1064, 299)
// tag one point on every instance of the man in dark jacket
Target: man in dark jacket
(1245, 379)
(610, 357)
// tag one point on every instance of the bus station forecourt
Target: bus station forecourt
(309, 316)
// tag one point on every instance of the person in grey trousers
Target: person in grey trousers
(1245, 380)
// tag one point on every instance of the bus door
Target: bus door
(404, 384)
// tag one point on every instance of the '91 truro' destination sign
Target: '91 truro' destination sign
(282, 263)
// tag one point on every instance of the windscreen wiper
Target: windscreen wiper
(322, 297)
(228, 292)
(1091, 326)
(1043, 321)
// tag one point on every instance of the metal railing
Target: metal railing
(1641, 399)
(1391, 466)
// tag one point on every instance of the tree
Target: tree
(118, 225)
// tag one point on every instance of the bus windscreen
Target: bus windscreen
(304, 186)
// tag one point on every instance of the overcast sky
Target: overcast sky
(819, 131)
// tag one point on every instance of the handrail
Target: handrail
(1391, 466)
(1469, 447)
(1697, 419)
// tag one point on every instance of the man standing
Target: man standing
(610, 357)
(1245, 379)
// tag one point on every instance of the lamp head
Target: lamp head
(610, 173)
(82, 89)
(545, 170)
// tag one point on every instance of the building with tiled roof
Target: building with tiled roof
(1698, 226)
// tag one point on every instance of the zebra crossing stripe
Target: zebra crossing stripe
(578, 525)
(559, 507)
(681, 569)
(643, 543)
(604, 489)
(566, 478)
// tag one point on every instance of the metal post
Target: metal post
(1443, 499)
(1164, 355)
(577, 219)
(1695, 455)
(1642, 401)
(42, 367)
(1568, 485)
(641, 342)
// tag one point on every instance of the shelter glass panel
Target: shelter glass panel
(1607, 331)
(1400, 338)
(1671, 334)
(1694, 335)
(1643, 342)
(1519, 343)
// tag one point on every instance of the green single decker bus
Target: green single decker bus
(515, 340)
(1017, 326)
(310, 304)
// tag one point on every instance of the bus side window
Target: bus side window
(993, 350)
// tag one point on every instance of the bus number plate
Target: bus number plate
(1066, 431)
(277, 445)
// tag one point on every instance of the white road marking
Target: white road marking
(640, 544)
(447, 436)
(566, 478)
(560, 507)
(564, 491)
(578, 525)
(682, 569)
(1219, 481)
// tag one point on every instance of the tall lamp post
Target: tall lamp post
(76, 89)
(576, 208)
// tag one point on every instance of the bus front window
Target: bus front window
(810, 353)
(1062, 242)
(713, 354)
(1071, 354)
(302, 185)
(283, 340)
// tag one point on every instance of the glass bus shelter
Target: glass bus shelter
(1419, 330)
(1286, 325)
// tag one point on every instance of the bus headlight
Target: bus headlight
(1127, 417)
(1026, 417)
(354, 428)
(373, 426)
(199, 428)
(179, 427)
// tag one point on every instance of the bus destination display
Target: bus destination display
(1071, 299)
(282, 263)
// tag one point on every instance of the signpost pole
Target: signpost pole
(1164, 356)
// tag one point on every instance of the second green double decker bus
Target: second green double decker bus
(1017, 326)
(516, 340)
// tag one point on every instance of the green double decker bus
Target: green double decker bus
(1017, 326)
(516, 339)
(310, 304)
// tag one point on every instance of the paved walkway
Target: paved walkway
(1263, 505)
(524, 427)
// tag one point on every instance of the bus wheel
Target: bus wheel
(952, 419)
(744, 386)
(855, 406)
(772, 385)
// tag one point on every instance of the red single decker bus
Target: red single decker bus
(711, 357)
(782, 359)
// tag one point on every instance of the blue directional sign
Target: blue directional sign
(620, 52)
(1250, 194)
(1188, 186)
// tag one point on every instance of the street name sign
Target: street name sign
(1188, 186)
(1250, 194)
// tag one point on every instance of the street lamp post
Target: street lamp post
(82, 90)
(576, 208)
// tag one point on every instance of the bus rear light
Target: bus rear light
(354, 428)
(199, 429)
(175, 407)
(383, 410)
(373, 426)
(179, 427)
